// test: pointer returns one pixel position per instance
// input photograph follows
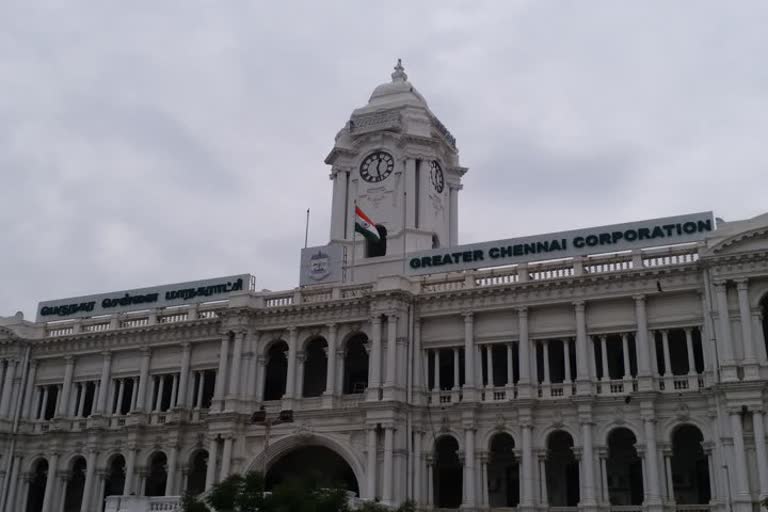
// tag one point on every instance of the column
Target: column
(221, 376)
(456, 372)
(469, 466)
(604, 498)
(741, 476)
(174, 390)
(29, 393)
(226, 458)
(186, 356)
(625, 354)
(668, 471)
(5, 401)
(510, 367)
(261, 362)
(234, 372)
(469, 357)
(489, 365)
(418, 364)
(371, 463)
(545, 357)
(606, 375)
(543, 478)
(588, 464)
(141, 395)
(436, 357)
(290, 385)
(724, 323)
(120, 395)
(301, 358)
(689, 349)
(90, 470)
(374, 374)
(387, 493)
(524, 352)
(417, 468)
(170, 482)
(13, 482)
(391, 349)
(330, 374)
(130, 467)
(134, 393)
(567, 359)
(104, 382)
(484, 480)
(642, 344)
(758, 427)
(665, 348)
(53, 466)
(44, 405)
(160, 390)
(526, 469)
(210, 470)
(582, 361)
(430, 482)
(69, 366)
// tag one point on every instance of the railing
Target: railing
(134, 322)
(172, 318)
(693, 508)
(279, 301)
(104, 326)
(626, 508)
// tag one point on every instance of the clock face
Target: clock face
(436, 176)
(377, 166)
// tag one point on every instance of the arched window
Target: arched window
(198, 467)
(315, 367)
(356, 364)
(374, 248)
(157, 475)
(562, 470)
(73, 497)
(625, 470)
(690, 469)
(448, 478)
(503, 472)
(277, 371)
(114, 483)
(37, 486)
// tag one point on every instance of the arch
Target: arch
(114, 483)
(276, 370)
(355, 364)
(36, 491)
(690, 466)
(75, 487)
(157, 474)
(315, 366)
(198, 467)
(624, 468)
(606, 430)
(448, 475)
(546, 434)
(562, 470)
(503, 472)
(487, 438)
(319, 465)
(264, 460)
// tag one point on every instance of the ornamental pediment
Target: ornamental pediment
(741, 242)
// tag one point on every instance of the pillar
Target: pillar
(374, 373)
(29, 393)
(625, 355)
(604, 497)
(543, 478)
(545, 360)
(526, 469)
(186, 355)
(689, 350)
(642, 345)
(7, 397)
(69, 366)
(567, 359)
(606, 375)
(418, 363)
(387, 492)
(758, 427)
(221, 375)
(751, 371)
(391, 349)
(370, 470)
(469, 357)
(210, 470)
(484, 501)
(141, 396)
(510, 367)
(436, 357)
(290, 385)
(430, 482)
(90, 484)
(469, 466)
(724, 323)
(170, 482)
(130, 467)
(120, 395)
(456, 372)
(50, 483)
(524, 347)
(330, 374)
(13, 482)
(104, 382)
(582, 363)
(668, 472)
(160, 389)
(226, 458)
(234, 371)
(489, 365)
(667, 358)
(417, 468)
(741, 476)
(588, 465)
(261, 362)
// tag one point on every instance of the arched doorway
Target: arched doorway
(562, 470)
(315, 367)
(114, 484)
(448, 477)
(157, 475)
(356, 365)
(37, 486)
(319, 465)
(73, 495)
(624, 468)
(503, 472)
(198, 467)
(690, 469)
(277, 371)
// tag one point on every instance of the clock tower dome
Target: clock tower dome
(397, 163)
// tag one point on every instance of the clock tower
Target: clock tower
(397, 163)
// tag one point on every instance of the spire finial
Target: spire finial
(399, 74)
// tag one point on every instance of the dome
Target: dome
(397, 92)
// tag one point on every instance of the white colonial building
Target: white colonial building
(626, 381)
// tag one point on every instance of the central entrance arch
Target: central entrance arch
(317, 464)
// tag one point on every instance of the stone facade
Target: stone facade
(628, 381)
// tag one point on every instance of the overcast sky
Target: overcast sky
(151, 142)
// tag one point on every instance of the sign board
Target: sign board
(191, 292)
(321, 264)
(579, 242)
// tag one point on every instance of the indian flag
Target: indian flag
(365, 226)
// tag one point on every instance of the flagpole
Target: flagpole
(306, 230)
(354, 232)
